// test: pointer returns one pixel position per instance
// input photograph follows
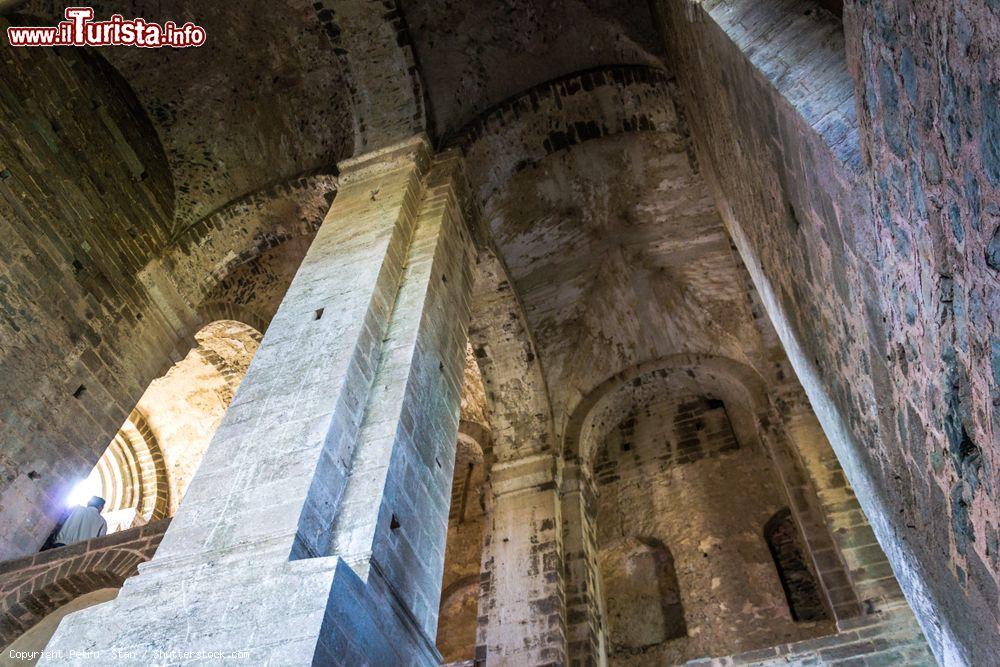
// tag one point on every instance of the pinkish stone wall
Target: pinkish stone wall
(865, 210)
(928, 83)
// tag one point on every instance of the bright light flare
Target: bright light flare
(84, 489)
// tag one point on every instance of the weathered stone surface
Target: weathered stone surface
(880, 316)
(96, 284)
(674, 214)
(475, 55)
(706, 498)
(400, 330)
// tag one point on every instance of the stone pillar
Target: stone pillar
(524, 608)
(314, 530)
(584, 603)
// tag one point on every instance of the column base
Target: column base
(245, 608)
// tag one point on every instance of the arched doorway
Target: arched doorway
(149, 463)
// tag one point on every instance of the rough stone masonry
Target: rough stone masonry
(593, 332)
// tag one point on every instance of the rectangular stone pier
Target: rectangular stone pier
(314, 530)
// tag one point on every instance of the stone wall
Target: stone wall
(98, 283)
(672, 472)
(85, 201)
(927, 78)
(890, 639)
(884, 312)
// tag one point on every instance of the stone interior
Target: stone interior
(518, 332)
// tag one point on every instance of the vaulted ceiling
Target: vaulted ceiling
(262, 101)
(473, 55)
(619, 257)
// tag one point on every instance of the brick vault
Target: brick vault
(513, 332)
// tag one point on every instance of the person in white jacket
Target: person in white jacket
(83, 523)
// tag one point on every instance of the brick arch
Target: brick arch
(740, 386)
(561, 113)
(35, 586)
(47, 595)
(373, 43)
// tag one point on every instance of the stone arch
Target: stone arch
(83, 224)
(373, 43)
(217, 310)
(642, 594)
(478, 433)
(471, 581)
(138, 472)
(155, 499)
(207, 258)
(298, 118)
(560, 113)
(36, 597)
(185, 404)
(546, 131)
(458, 603)
(719, 384)
(232, 373)
(139, 150)
(132, 472)
(738, 385)
(509, 138)
(516, 393)
(154, 324)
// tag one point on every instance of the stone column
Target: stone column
(524, 609)
(314, 530)
(584, 604)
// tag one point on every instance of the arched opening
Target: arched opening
(30, 595)
(131, 477)
(146, 469)
(682, 484)
(80, 224)
(643, 599)
(797, 578)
